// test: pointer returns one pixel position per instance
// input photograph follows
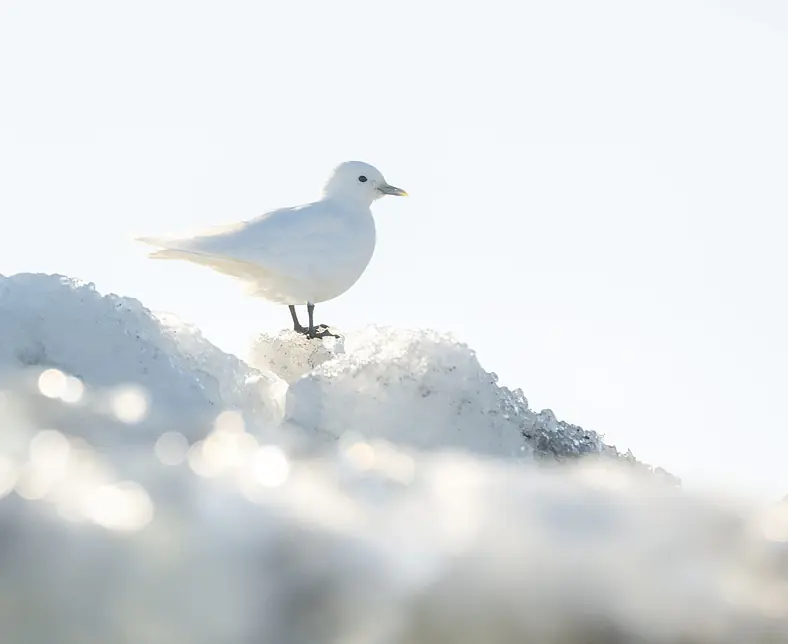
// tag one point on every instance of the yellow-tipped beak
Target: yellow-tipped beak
(392, 190)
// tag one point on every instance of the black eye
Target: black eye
(362, 179)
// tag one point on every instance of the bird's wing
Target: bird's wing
(289, 240)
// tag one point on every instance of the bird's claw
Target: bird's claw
(320, 331)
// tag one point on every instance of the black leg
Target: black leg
(310, 311)
(296, 324)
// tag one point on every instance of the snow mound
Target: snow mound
(290, 355)
(120, 352)
(416, 388)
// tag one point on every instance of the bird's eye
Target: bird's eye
(362, 179)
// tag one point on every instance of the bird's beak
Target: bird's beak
(386, 189)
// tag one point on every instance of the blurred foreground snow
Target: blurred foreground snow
(156, 490)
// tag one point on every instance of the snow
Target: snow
(380, 489)
(111, 343)
(418, 388)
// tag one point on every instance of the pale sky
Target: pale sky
(598, 190)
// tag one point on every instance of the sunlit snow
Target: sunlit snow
(378, 489)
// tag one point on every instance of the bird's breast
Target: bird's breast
(348, 249)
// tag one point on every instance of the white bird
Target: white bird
(300, 255)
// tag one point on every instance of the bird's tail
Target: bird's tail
(163, 251)
(167, 253)
(168, 249)
(152, 241)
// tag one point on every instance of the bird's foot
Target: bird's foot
(316, 333)
(320, 331)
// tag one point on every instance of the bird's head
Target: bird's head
(359, 182)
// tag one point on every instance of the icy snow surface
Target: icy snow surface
(151, 492)
(417, 388)
(114, 344)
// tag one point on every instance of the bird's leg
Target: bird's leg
(321, 331)
(296, 324)
(310, 310)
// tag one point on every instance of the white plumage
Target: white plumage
(300, 255)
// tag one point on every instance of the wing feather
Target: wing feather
(289, 241)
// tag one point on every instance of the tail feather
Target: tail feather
(166, 249)
(151, 241)
(167, 253)
(225, 265)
